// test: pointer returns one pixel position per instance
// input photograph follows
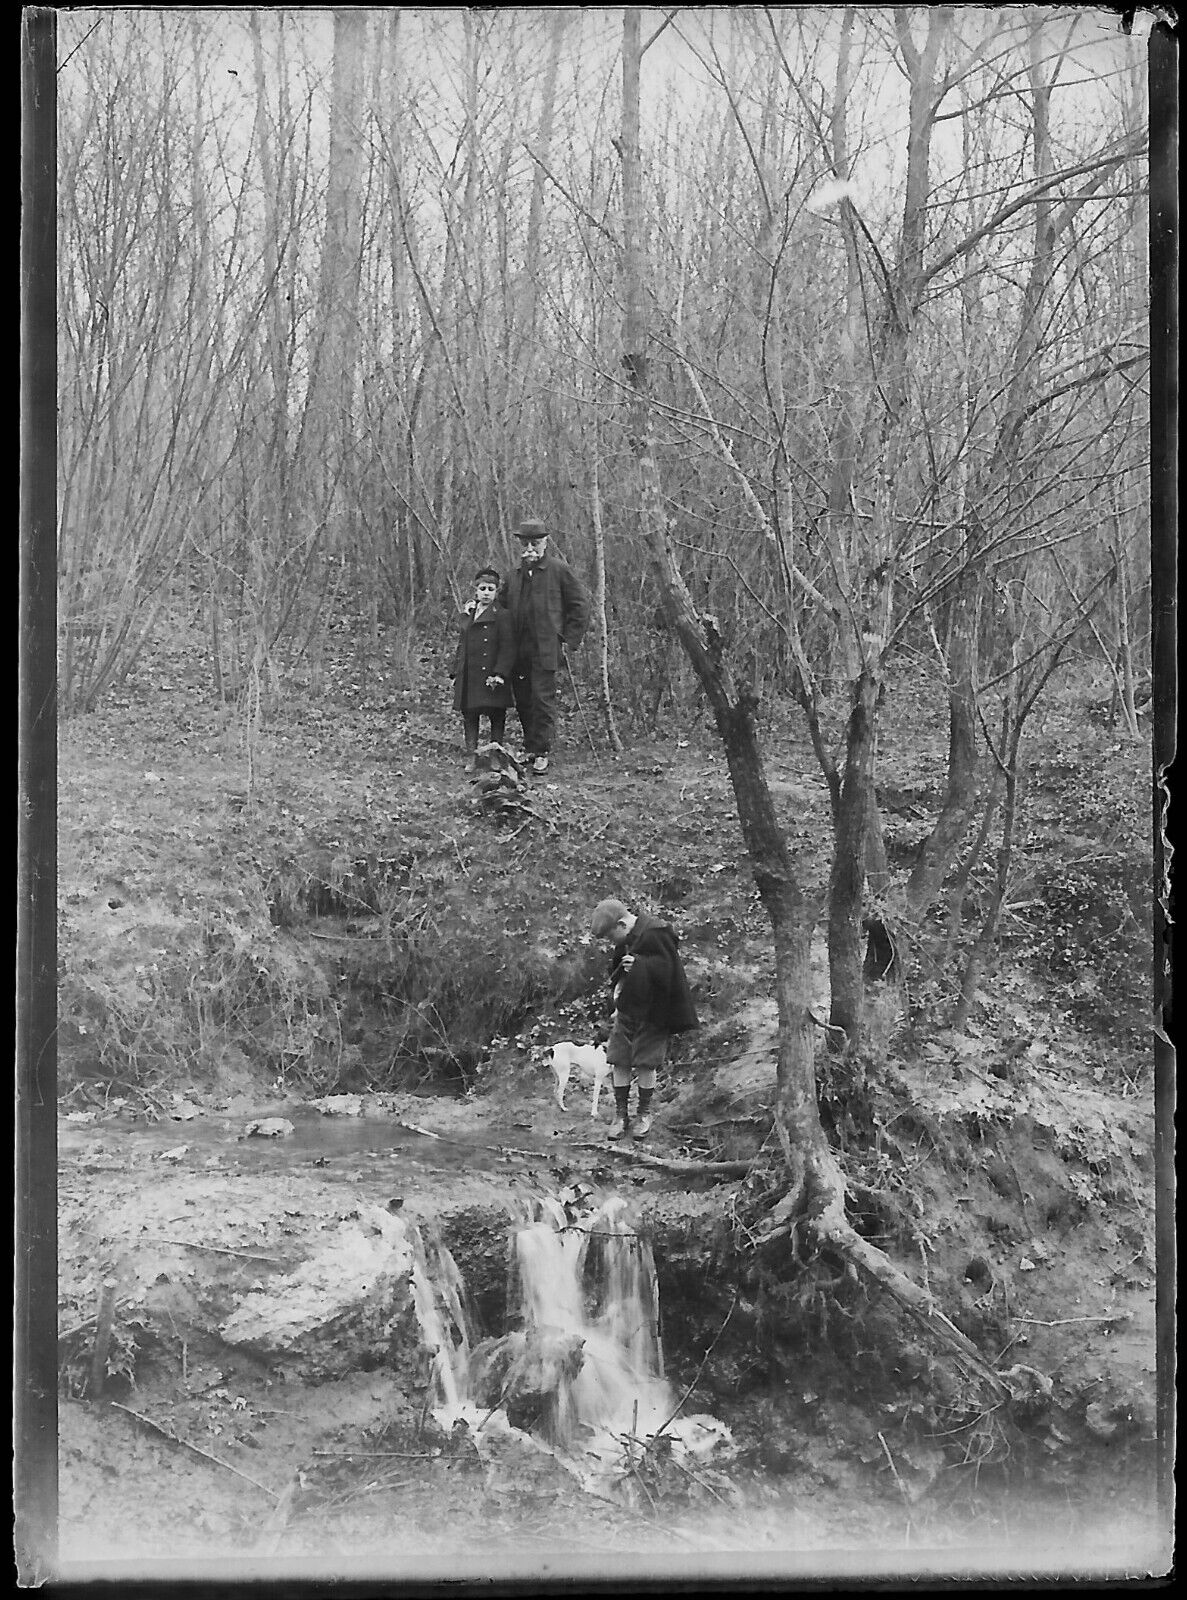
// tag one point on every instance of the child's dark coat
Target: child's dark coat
(485, 649)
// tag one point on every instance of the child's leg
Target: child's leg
(498, 726)
(650, 1050)
(470, 724)
(618, 1054)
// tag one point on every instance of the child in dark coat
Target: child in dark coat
(482, 663)
(651, 1001)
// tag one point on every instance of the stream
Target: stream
(309, 1137)
(230, 1242)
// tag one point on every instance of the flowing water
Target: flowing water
(585, 1349)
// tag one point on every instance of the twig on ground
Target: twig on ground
(1062, 1322)
(216, 1249)
(902, 1488)
(185, 1444)
(696, 1375)
(278, 1517)
(696, 1478)
(77, 1327)
(451, 840)
(596, 833)
(377, 1455)
(679, 1164)
(102, 1337)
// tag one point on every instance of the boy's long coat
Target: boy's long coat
(485, 649)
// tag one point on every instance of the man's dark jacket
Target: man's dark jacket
(655, 989)
(548, 609)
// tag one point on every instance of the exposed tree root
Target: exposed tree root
(816, 1208)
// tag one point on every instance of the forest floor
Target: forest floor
(254, 917)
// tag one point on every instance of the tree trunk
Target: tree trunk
(1121, 599)
(599, 602)
(733, 712)
(543, 145)
(960, 879)
(963, 787)
(341, 261)
(982, 951)
(846, 939)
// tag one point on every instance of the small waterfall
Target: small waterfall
(584, 1370)
(438, 1298)
(594, 1281)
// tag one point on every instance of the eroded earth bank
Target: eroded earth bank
(307, 1129)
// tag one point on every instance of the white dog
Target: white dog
(587, 1060)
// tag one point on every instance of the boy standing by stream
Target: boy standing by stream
(651, 1001)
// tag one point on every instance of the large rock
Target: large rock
(351, 1304)
(528, 1375)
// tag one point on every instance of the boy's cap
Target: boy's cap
(487, 572)
(606, 914)
(531, 528)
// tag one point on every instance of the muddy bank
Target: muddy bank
(850, 1441)
(354, 926)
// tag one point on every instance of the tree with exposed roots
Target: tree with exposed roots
(811, 1210)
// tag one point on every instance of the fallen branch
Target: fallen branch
(1062, 1322)
(185, 1444)
(678, 1164)
(273, 1529)
(696, 1478)
(376, 1455)
(696, 1375)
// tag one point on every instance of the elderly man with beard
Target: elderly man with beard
(549, 609)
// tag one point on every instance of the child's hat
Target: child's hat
(606, 913)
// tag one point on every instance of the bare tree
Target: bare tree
(814, 1201)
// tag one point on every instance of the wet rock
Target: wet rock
(268, 1128)
(525, 1372)
(338, 1105)
(349, 1297)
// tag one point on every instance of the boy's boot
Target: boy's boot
(643, 1124)
(621, 1096)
